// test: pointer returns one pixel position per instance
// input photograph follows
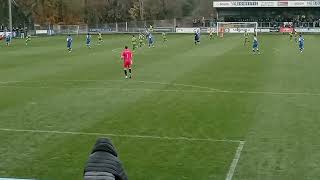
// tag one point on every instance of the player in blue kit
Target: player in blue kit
(255, 46)
(301, 43)
(150, 40)
(8, 39)
(69, 43)
(197, 37)
(88, 40)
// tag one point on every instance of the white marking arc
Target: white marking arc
(208, 89)
(121, 135)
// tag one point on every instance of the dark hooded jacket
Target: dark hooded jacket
(104, 158)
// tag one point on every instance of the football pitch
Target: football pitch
(208, 112)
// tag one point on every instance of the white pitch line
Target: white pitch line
(146, 82)
(208, 89)
(8, 82)
(116, 49)
(274, 93)
(110, 88)
(235, 160)
(213, 91)
(175, 84)
(122, 135)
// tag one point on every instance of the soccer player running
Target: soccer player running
(8, 39)
(211, 34)
(291, 35)
(88, 40)
(150, 40)
(246, 38)
(255, 46)
(150, 28)
(197, 37)
(69, 43)
(295, 36)
(100, 39)
(28, 39)
(127, 57)
(134, 42)
(141, 38)
(301, 43)
(164, 37)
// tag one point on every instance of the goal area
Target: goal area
(236, 27)
(70, 29)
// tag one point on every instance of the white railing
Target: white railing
(169, 25)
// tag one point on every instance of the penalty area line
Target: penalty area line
(121, 135)
(235, 161)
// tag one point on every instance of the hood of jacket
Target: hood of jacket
(105, 145)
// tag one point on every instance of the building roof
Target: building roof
(270, 4)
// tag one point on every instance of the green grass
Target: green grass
(172, 95)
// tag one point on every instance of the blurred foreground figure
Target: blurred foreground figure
(103, 163)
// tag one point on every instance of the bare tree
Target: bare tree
(101, 11)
